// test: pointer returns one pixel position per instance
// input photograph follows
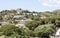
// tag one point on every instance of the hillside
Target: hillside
(24, 23)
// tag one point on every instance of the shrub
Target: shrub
(44, 30)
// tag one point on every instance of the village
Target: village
(17, 18)
(32, 21)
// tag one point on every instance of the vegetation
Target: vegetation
(42, 24)
(10, 30)
(44, 30)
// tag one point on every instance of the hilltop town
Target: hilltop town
(29, 23)
(17, 16)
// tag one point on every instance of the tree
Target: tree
(32, 25)
(10, 30)
(44, 30)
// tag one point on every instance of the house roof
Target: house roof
(17, 16)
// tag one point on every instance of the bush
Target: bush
(9, 30)
(32, 25)
(44, 30)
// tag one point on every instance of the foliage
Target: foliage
(44, 30)
(38, 27)
(57, 23)
(32, 25)
(9, 30)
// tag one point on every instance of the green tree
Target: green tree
(32, 25)
(10, 30)
(44, 31)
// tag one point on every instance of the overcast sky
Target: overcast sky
(32, 5)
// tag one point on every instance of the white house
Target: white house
(17, 16)
(22, 21)
(19, 11)
(21, 25)
(35, 14)
(42, 17)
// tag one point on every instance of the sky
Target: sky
(32, 5)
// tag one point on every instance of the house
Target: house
(42, 17)
(19, 11)
(17, 16)
(28, 13)
(21, 25)
(35, 14)
(23, 21)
